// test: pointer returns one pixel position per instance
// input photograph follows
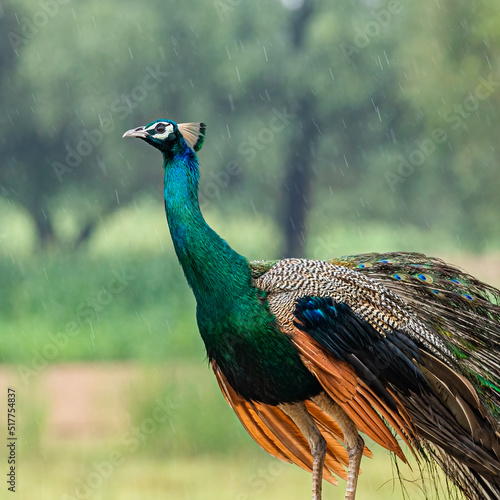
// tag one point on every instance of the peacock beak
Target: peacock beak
(136, 132)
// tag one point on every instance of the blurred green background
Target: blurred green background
(333, 128)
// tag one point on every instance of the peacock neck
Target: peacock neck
(239, 332)
(214, 271)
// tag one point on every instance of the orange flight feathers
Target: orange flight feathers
(362, 405)
(276, 433)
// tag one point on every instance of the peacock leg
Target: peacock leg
(303, 420)
(354, 442)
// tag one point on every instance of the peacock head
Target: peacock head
(167, 136)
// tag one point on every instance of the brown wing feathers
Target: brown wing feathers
(343, 385)
(278, 435)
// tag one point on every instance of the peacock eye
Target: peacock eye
(160, 128)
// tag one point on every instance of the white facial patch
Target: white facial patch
(169, 128)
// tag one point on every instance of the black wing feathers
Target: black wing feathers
(381, 360)
(443, 405)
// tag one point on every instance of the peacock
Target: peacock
(310, 354)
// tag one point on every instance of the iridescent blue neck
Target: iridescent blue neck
(212, 268)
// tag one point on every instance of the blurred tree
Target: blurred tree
(395, 118)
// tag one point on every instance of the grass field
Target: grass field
(250, 477)
(93, 431)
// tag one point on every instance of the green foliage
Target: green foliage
(372, 83)
(147, 317)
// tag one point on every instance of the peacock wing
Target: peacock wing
(362, 370)
(353, 379)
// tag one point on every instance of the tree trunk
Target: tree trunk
(299, 178)
(299, 160)
(44, 227)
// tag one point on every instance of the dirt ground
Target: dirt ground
(78, 401)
